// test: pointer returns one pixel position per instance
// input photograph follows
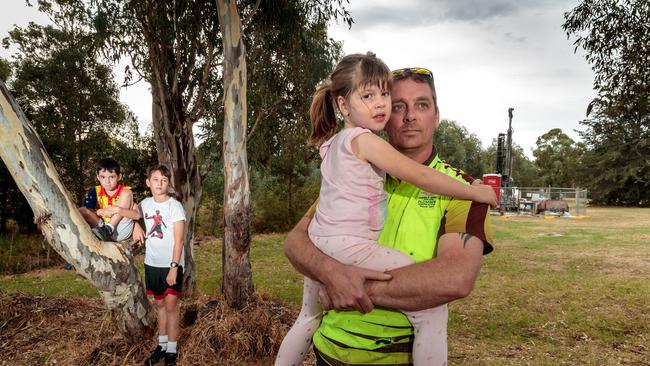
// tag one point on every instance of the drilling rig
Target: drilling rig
(501, 181)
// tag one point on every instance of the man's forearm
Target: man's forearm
(448, 277)
(344, 284)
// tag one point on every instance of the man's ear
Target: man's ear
(343, 107)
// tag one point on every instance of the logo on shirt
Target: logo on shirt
(427, 200)
(158, 223)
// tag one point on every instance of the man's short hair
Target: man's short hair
(419, 75)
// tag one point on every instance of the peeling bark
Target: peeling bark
(108, 266)
(237, 285)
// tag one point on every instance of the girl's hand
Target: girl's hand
(485, 194)
(171, 276)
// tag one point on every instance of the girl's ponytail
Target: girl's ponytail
(322, 114)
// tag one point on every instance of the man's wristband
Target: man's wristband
(173, 264)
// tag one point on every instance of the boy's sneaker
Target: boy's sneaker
(156, 356)
(170, 359)
(103, 232)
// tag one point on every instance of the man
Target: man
(445, 237)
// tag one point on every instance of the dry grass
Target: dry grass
(554, 292)
(46, 330)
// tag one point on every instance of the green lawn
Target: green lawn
(554, 292)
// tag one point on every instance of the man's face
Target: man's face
(108, 180)
(414, 117)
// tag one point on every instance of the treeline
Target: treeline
(556, 158)
(65, 86)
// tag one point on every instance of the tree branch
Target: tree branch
(199, 105)
(250, 16)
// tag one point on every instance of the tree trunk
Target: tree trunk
(237, 282)
(175, 147)
(107, 265)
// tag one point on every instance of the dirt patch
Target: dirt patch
(43, 330)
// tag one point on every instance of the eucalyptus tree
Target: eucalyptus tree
(615, 35)
(73, 101)
(178, 48)
(558, 159)
(67, 93)
(460, 148)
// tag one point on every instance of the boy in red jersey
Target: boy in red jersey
(108, 207)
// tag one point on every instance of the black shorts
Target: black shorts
(155, 279)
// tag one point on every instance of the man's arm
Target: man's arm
(449, 276)
(344, 284)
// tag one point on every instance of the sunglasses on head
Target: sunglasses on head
(412, 71)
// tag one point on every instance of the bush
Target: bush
(21, 253)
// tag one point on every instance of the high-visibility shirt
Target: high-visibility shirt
(413, 226)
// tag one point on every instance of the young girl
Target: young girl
(352, 206)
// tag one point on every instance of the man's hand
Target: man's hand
(345, 289)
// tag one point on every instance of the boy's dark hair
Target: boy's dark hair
(108, 164)
(162, 169)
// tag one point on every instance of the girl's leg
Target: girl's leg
(430, 344)
(296, 343)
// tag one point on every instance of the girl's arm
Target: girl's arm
(177, 251)
(373, 149)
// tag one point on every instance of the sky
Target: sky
(486, 56)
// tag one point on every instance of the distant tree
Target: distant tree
(69, 95)
(616, 37)
(460, 148)
(558, 159)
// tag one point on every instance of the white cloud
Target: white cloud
(486, 56)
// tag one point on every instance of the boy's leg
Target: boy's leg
(172, 311)
(297, 341)
(96, 224)
(154, 277)
(161, 314)
(126, 202)
(90, 216)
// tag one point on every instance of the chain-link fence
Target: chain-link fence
(545, 200)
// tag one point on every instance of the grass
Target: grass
(554, 292)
